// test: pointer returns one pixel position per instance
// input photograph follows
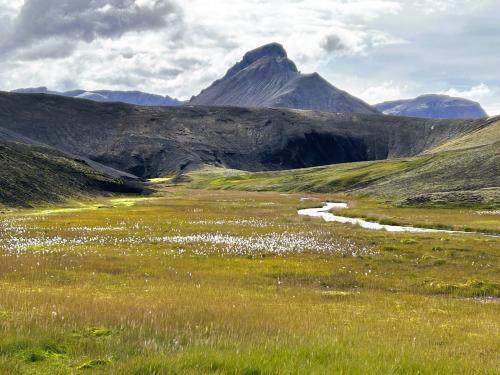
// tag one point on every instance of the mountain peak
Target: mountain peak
(268, 53)
(266, 77)
(267, 50)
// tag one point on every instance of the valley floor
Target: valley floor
(229, 282)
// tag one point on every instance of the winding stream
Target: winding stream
(324, 213)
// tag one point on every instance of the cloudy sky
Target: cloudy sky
(376, 49)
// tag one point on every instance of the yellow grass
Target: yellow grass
(139, 287)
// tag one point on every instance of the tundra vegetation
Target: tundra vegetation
(230, 282)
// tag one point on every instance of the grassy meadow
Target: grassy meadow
(230, 282)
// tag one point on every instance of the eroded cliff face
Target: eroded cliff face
(153, 141)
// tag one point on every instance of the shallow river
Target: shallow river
(324, 212)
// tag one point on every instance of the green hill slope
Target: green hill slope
(464, 171)
(488, 135)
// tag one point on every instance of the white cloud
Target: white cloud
(385, 92)
(217, 35)
(10, 7)
(486, 95)
(493, 110)
(477, 93)
(446, 6)
(302, 26)
(367, 47)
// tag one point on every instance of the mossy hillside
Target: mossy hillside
(32, 175)
(487, 135)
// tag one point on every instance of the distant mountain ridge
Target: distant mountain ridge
(129, 97)
(433, 106)
(266, 77)
(151, 142)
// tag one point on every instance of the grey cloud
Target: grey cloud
(125, 80)
(333, 43)
(128, 54)
(157, 72)
(134, 77)
(84, 20)
(186, 63)
(67, 84)
(50, 48)
(170, 72)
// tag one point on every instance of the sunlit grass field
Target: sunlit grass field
(227, 282)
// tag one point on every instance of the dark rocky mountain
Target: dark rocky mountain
(129, 97)
(154, 141)
(267, 78)
(433, 106)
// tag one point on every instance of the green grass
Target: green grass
(329, 179)
(458, 178)
(95, 291)
(488, 135)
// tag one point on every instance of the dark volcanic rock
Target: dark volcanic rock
(433, 106)
(267, 78)
(153, 141)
